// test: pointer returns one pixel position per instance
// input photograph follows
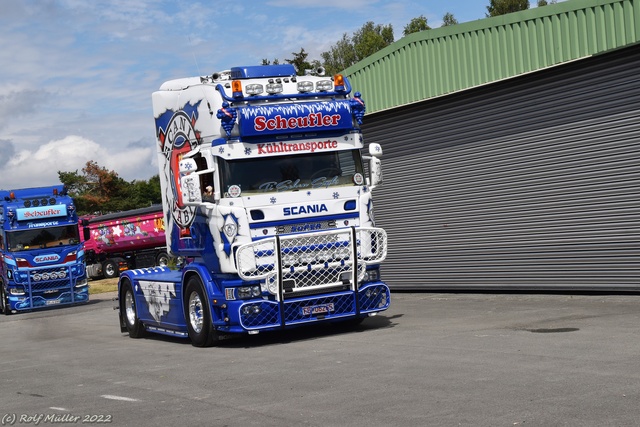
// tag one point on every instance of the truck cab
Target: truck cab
(289, 236)
(41, 256)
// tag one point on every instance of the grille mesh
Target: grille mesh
(312, 261)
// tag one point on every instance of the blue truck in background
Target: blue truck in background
(41, 256)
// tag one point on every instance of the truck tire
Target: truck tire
(198, 315)
(162, 259)
(129, 312)
(110, 269)
(4, 306)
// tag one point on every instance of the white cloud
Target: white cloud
(40, 167)
(76, 76)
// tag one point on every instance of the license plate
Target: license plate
(53, 302)
(317, 309)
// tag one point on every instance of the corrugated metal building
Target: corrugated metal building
(511, 150)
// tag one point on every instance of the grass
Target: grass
(103, 285)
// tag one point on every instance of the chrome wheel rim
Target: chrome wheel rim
(110, 270)
(195, 312)
(130, 308)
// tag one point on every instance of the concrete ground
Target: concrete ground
(432, 359)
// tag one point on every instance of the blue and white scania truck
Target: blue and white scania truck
(41, 256)
(286, 237)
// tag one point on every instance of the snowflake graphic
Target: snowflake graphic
(273, 200)
(247, 151)
(221, 150)
(308, 193)
(336, 195)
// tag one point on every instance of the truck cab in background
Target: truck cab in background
(41, 256)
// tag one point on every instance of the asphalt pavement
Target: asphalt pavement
(432, 359)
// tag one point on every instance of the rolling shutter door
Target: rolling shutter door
(530, 183)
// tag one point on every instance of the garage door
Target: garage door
(531, 183)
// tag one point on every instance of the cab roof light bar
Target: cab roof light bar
(342, 87)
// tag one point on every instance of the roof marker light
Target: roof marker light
(254, 89)
(305, 86)
(236, 88)
(338, 79)
(273, 88)
(324, 85)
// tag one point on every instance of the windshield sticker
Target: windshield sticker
(234, 191)
(289, 185)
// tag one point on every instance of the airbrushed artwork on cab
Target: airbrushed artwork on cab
(177, 136)
(228, 227)
(158, 296)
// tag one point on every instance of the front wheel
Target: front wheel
(198, 315)
(128, 311)
(4, 305)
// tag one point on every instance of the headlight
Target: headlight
(371, 276)
(82, 283)
(16, 291)
(250, 309)
(246, 292)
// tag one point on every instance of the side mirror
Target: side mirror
(375, 169)
(189, 182)
(375, 150)
(375, 164)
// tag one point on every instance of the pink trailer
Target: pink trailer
(124, 240)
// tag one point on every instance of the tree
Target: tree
(100, 190)
(416, 25)
(366, 41)
(545, 3)
(341, 56)
(300, 62)
(448, 20)
(371, 38)
(502, 7)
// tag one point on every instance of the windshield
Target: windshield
(38, 238)
(292, 172)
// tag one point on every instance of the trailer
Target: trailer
(124, 240)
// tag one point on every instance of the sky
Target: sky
(76, 76)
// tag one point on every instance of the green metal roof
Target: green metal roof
(440, 61)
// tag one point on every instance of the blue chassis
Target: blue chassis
(371, 298)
